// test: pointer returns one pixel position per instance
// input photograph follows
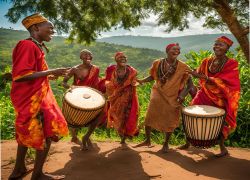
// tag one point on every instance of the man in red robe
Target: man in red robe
(220, 87)
(39, 119)
(85, 74)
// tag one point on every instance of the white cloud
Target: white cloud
(149, 27)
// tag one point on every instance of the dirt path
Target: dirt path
(110, 161)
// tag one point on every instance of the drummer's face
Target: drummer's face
(220, 48)
(86, 58)
(121, 60)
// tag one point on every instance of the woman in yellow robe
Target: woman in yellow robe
(167, 94)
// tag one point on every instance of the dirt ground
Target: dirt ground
(111, 161)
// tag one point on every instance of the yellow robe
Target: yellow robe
(164, 110)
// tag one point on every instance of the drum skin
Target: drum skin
(202, 124)
(81, 105)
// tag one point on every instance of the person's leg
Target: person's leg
(123, 139)
(165, 147)
(147, 142)
(86, 142)
(74, 136)
(20, 167)
(223, 149)
(39, 162)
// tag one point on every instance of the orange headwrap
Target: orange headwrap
(118, 54)
(226, 40)
(33, 19)
(171, 45)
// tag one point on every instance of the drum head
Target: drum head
(203, 111)
(83, 97)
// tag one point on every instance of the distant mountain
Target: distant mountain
(141, 50)
(65, 54)
(187, 43)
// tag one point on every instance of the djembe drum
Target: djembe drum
(202, 124)
(81, 105)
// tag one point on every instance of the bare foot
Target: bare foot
(89, 143)
(185, 146)
(76, 140)
(123, 140)
(47, 177)
(84, 144)
(223, 153)
(145, 143)
(20, 174)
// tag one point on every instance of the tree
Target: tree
(83, 19)
(86, 19)
(223, 14)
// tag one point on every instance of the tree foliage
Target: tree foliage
(232, 15)
(84, 20)
(175, 13)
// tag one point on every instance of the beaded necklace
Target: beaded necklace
(119, 79)
(162, 73)
(40, 45)
(219, 64)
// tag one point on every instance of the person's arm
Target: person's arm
(145, 80)
(195, 74)
(184, 92)
(67, 77)
(35, 75)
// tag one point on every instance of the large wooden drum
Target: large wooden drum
(81, 105)
(202, 124)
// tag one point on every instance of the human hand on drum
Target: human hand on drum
(71, 88)
(180, 99)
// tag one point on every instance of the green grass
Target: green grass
(240, 138)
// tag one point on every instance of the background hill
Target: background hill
(64, 54)
(187, 43)
(141, 50)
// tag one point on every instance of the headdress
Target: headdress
(118, 54)
(33, 19)
(169, 46)
(226, 40)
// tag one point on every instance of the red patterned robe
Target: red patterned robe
(30, 98)
(223, 91)
(91, 80)
(122, 109)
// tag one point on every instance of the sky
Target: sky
(148, 27)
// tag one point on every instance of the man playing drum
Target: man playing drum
(167, 94)
(122, 106)
(85, 74)
(38, 117)
(220, 87)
